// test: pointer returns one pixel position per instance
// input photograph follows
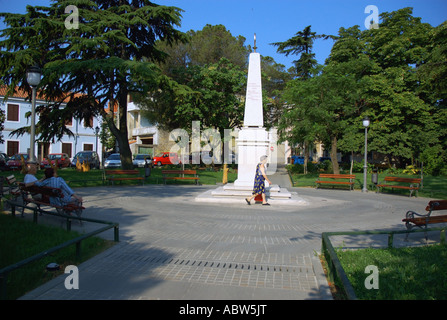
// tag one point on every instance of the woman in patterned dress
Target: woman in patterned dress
(259, 185)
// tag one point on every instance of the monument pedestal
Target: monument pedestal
(230, 193)
(252, 144)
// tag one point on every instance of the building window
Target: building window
(12, 148)
(66, 148)
(13, 112)
(88, 147)
(147, 140)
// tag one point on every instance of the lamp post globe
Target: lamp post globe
(365, 122)
(33, 76)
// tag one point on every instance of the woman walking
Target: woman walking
(259, 185)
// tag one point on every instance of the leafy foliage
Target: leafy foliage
(385, 74)
(90, 67)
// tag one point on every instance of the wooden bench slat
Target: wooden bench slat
(331, 176)
(401, 179)
(180, 172)
(335, 182)
(428, 220)
(397, 187)
(111, 175)
(413, 184)
(337, 176)
(436, 205)
(413, 219)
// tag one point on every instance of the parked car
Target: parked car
(113, 161)
(90, 156)
(62, 160)
(141, 159)
(15, 162)
(166, 158)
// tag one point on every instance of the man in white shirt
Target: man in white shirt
(30, 177)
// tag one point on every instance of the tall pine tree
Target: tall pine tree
(92, 57)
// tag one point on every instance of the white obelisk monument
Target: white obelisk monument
(253, 141)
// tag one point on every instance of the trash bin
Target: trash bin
(147, 169)
(375, 176)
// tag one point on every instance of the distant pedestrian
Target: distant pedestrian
(259, 183)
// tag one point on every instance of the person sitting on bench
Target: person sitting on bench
(53, 181)
(30, 178)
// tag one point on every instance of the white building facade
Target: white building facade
(16, 107)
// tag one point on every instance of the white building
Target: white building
(144, 137)
(15, 109)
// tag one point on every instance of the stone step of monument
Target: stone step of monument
(273, 191)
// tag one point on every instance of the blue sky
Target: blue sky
(279, 20)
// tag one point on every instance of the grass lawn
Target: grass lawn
(416, 273)
(433, 186)
(21, 239)
(94, 177)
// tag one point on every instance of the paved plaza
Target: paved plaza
(172, 247)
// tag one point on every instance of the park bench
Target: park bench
(411, 184)
(180, 175)
(335, 179)
(12, 188)
(414, 219)
(122, 175)
(44, 199)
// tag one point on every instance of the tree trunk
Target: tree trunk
(335, 167)
(352, 162)
(306, 156)
(122, 137)
(120, 132)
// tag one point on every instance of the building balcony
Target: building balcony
(144, 131)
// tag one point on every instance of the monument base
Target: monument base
(231, 193)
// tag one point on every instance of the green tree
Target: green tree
(321, 107)
(385, 63)
(302, 44)
(213, 95)
(203, 79)
(274, 80)
(433, 78)
(401, 120)
(91, 66)
(204, 47)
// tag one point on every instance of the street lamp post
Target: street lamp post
(33, 77)
(96, 134)
(365, 165)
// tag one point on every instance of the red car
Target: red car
(15, 162)
(166, 158)
(63, 160)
